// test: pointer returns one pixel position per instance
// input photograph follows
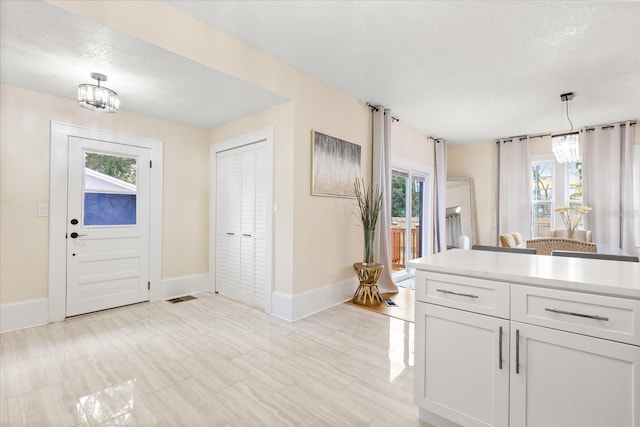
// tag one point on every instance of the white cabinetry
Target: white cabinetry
(566, 379)
(462, 376)
(241, 223)
(493, 354)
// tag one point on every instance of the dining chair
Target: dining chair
(507, 241)
(547, 245)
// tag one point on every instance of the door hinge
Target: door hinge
(150, 163)
(148, 285)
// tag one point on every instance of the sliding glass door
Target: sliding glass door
(407, 220)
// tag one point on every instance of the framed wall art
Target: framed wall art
(335, 166)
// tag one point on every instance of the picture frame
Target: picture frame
(335, 165)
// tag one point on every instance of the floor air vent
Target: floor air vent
(180, 299)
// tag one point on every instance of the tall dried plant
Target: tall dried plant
(369, 202)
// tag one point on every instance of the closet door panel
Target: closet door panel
(260, 257)
(227, 222)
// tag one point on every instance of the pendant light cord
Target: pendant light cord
(567, 101)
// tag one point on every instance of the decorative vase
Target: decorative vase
(369, 235)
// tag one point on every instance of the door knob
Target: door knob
(75, 235)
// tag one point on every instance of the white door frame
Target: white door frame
(60, 133)
(265, 135)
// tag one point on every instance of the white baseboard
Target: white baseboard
(295, 307)
(184, 285)
(23, 314)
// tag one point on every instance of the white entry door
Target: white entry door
(107, 225)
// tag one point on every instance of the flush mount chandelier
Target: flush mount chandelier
(96, 97)
(566, 147)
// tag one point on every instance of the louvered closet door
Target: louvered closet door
(241, 202)
(247, 223)
(260, 241)
(228, 205)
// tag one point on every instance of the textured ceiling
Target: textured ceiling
(467, 71)
(45, 48)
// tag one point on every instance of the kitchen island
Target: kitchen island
(506, 339)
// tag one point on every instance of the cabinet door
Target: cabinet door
(459, 374)
(565, 379)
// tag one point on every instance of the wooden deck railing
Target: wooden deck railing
(398, 261)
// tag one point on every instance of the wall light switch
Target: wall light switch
(43, 209)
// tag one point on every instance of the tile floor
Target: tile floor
(209, 362)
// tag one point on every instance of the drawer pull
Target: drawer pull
(588, 316)
(444, 291)
(517, 351)
(500, 349)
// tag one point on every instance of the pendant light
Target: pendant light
(566, 146)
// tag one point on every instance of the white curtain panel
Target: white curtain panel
(607, 181)
(439, 205)
(381, 172)
(514, 186)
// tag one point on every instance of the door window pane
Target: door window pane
(109, 190)
(398, 219)
(417, 196)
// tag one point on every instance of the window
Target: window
(553, 185)
(109, 190)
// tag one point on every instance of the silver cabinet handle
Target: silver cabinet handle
(500, 348)
(570, 313)
(444, 291)
(517, 351)
(231, 234)
(246, 235)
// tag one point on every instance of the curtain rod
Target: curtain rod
(376, 108)
(586, 129)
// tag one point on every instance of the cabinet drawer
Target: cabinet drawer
(611, 318)
(464, 293)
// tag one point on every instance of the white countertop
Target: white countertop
(613, 278)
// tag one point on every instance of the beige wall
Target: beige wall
(410, 147)
(323, 230)
(281, 119)
(478, 161)
(327, 233)
(316, 239)
(25, 121)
